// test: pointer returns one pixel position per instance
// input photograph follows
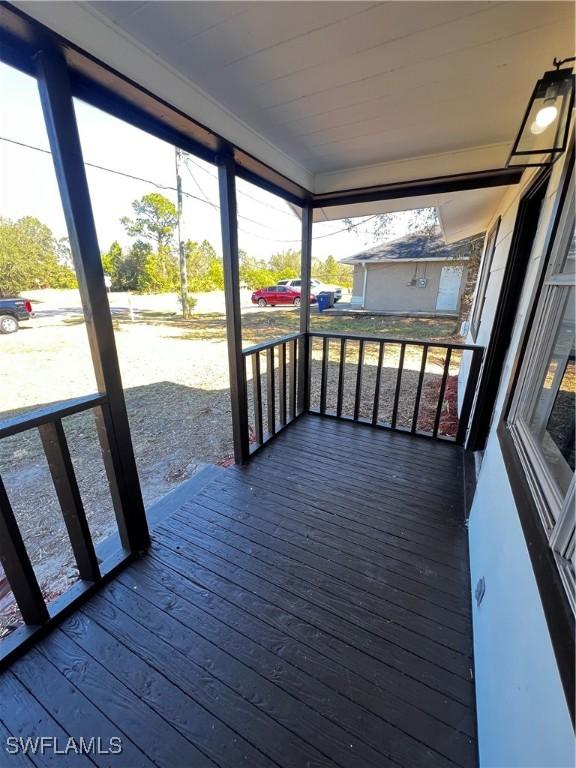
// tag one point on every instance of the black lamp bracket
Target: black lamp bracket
(560, 62)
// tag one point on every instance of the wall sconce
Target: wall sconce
(543, 135)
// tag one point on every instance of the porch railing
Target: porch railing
(404, 385)
(275, 396)
(17, 570)
(414, 374)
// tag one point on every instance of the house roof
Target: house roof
(419, 246)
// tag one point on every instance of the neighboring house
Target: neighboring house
(416, 273)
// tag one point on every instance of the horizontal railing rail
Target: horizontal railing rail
(366, 337)
(45, 415)
(434, 409)
(273, 406)
(18, 571)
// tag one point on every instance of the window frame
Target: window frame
(555, 508)
(484, 278)
(550, 580)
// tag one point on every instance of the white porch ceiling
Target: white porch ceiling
(336, 94)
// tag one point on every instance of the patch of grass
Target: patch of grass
(267, 324)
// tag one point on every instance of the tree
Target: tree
(205, 269)
(286, 263)
(255, 273)
(112, 263)
(30, 258)
(332, 271)
(133, 264)
(157, 275)
(156, 220)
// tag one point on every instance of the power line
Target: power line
(242, 192)
(156, 184)
(203, 199)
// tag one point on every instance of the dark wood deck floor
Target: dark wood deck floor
(311, 609)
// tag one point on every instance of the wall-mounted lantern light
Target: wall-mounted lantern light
(543, 135)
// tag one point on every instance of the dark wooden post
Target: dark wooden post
(229, 222)
(305, 275)
(58, 107)
(17, 566)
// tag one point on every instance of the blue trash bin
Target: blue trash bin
(323, 301)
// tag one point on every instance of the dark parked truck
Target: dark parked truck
(11, 312)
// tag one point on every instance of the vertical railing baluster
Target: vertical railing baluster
(257, 397)
(341, 376)
(310, 344)
(470, 391)
(377, 385)
(398, 385)
(271, 389)
(419, 388)
(441, 392)
(293, 377)
(282, 383)
(324, 379)
(64, 479)
(17, 566)
(359, 371)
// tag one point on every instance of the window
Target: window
(541, 418)
(485, 267)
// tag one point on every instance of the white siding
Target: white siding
(523, 718)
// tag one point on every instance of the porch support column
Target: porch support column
(305, 275)
(229, 223)
(60, 118)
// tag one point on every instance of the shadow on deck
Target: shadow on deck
(310, 609)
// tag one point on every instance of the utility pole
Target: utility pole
(181, 249)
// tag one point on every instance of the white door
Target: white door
(449, 290)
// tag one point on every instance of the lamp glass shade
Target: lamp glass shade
(544, 132)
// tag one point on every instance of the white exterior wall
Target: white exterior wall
(523, 718)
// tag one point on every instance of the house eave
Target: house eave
(366, 262)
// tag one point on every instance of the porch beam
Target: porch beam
(305, 275)
(229, 224)
(457, 183)
(60, 118)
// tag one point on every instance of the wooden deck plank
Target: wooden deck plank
(309, 609)
(68, 705)
(353, 585)
(337, 616)
(376, 714)
(334, 530)
(287, 729)
(24, 717)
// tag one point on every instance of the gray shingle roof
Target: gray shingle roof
(420, 245)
